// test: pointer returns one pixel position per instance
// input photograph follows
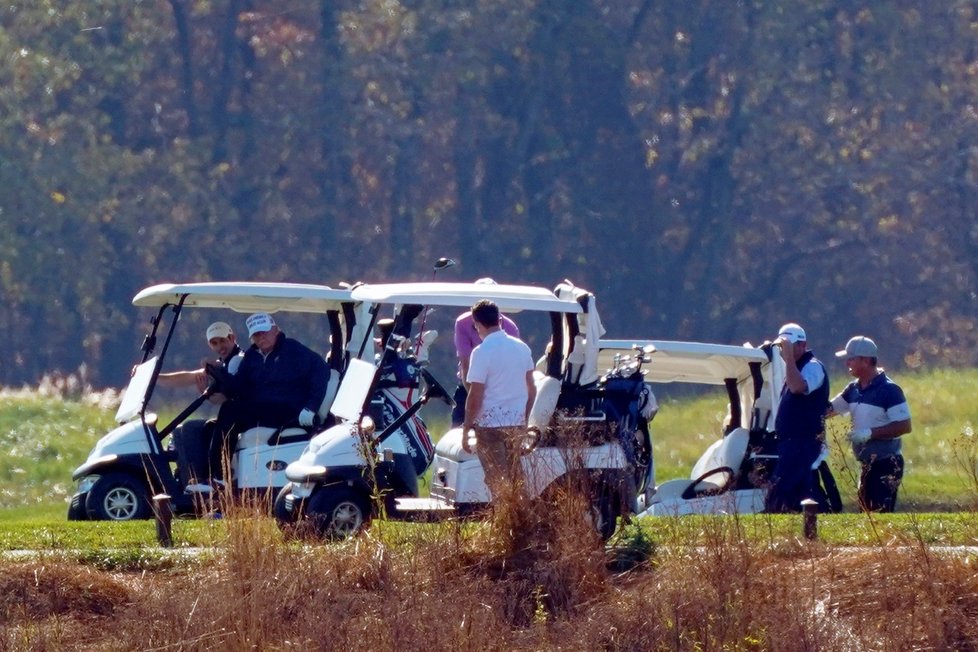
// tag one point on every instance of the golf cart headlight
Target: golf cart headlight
(367, 426)
(85, 484)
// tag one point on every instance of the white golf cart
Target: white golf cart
(343, 468)
(130, 464)
(731, 474)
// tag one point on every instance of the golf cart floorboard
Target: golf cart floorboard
(424, 509)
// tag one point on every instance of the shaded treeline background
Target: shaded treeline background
(710, 168)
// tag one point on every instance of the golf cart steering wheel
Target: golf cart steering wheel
(435, 389)
(218, 377)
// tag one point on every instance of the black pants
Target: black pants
(237, 416)
(879, 483)
(792, 478)
(458, 412)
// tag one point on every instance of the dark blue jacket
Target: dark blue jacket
(291, 377)
(803, 415)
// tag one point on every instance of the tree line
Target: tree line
(709, 169)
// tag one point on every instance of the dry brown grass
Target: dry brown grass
(534, 579)
(452, 587)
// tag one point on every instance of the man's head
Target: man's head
(793, 335)
(262, 331)
(485, 313)
(220, 338)
(860, 355)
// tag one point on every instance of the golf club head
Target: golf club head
(442, 263)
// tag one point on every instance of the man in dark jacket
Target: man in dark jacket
(800, 423)
(279, 381)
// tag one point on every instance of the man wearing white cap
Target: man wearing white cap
(800, 423)
(880, 417)
(278, 381)
(222, 341)
(194, 441)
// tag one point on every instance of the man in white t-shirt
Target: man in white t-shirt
(501, 393)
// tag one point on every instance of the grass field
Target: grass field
(45, 437)
(522, 580)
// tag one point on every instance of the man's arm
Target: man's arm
(463, 366)
(792, 376)
(179, 378)
(473, 405)
(891, 430)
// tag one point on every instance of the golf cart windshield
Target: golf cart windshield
(509, 299)
(349, 330)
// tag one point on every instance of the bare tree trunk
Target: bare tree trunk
(182, 23)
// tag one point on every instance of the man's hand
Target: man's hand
(202, 381)
(466, 429)
(860, 435)
(306, 417)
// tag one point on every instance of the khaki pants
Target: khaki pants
(499, 452)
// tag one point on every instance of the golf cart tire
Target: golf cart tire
(280, 507)
(337, 512)
(118, 496)
(605, 516)
(76, 508)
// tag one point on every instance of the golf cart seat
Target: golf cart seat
(714, 473)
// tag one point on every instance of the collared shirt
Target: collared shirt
(501, 363)
(880, 403)
(233, 360)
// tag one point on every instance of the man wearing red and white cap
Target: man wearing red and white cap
(880, 417)
(800, 422)
(279, 379)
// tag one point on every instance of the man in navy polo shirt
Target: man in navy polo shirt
(880, 417)
(800, 422)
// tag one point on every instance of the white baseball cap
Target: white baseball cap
(793, 333)
(259, 323)
(218, 329)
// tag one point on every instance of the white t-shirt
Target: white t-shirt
(501, 363)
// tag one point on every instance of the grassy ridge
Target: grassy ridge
(699, 582)
(45, 437)
(938, 452)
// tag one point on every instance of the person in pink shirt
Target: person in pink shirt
(466, 339)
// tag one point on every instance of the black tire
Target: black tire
(280, 509)
(604, 515)
(337, 512)
(118, 496)
(76, 509)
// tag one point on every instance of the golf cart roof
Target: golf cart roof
(509, 298)
(687, 362)
(246, 297)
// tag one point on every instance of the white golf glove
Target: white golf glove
(306, 417)
(860, 435)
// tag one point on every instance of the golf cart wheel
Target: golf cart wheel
(117, 497)
(285, 510)
(604, 516)
(76, 509)
(338, 512)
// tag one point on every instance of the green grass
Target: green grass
(937, 452)
(45, 438)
